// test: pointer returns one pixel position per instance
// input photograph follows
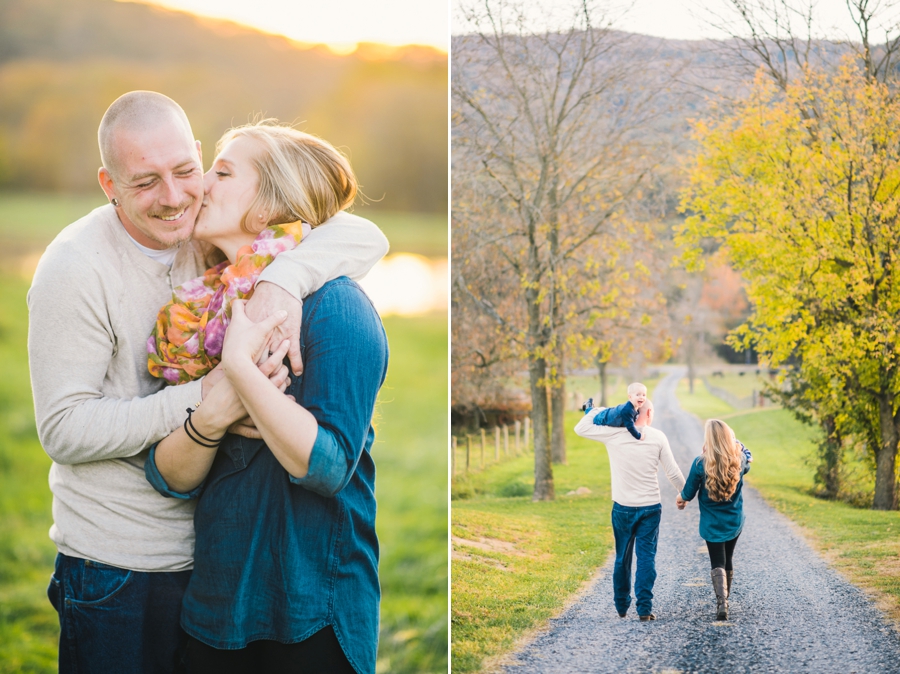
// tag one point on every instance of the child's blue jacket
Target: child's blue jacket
(621, 416)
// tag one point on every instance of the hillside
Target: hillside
(63, 61)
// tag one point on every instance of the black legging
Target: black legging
(319, 654)
(720, 554)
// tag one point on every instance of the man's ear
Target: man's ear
(200, 154)
(106, 183)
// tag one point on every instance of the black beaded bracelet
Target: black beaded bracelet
(196, 435)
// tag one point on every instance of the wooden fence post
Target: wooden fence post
(453, 456)
(496, 443)
(518, 429)
(505, 440)
(468, 450)
(482, 448)
(527, 429)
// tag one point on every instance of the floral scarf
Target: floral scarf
(187, 340)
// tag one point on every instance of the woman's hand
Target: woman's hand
(680, 502)
(277, 372)
(246, 342)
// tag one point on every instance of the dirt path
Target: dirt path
(789, 611)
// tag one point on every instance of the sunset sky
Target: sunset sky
(339, 23)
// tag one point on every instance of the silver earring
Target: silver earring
(114, 202)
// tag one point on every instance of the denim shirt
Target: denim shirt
(621, 416)
(720, 521)
(279, 557)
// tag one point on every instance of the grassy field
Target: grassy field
(701, 402)
(863, 544)
(410, 454)
(517, 563)
(738, 385)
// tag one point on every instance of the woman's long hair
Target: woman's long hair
(721, 460)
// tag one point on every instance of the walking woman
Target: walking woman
(718, 475)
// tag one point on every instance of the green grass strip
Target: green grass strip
(701, 402)
(517, 563)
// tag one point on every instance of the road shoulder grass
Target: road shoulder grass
(517, 563)
(861, 544)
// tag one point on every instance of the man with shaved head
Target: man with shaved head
(633, 466)
(125, 552)
(155, 213)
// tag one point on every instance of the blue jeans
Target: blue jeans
(636, 531)
(117, 621)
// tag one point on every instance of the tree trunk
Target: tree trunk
(601, 367)
(886, 456)
(828, 473)
(558, 410)
(543, 469)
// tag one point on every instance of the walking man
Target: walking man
(633, 466)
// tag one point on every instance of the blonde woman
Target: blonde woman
(285, 572)
(718, 475)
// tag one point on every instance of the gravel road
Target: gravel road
(788, 611)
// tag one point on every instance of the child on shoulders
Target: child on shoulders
(624, 415)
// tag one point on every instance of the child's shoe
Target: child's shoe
(588, 406)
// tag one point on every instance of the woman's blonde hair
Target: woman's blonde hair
(301, 177)
(721, 460)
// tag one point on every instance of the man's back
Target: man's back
(634, 463)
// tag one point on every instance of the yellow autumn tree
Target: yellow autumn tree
(801, 187)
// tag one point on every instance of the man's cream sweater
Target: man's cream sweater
(633, 464)
(92, 304)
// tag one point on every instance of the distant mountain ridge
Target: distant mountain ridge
(63, 61)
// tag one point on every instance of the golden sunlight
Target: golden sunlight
(341, 25)
(408, 284)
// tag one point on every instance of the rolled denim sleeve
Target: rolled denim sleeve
(155, 478)
(345, 358)
(328, 471)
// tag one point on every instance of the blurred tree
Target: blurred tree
(552, 138)
(63, 63)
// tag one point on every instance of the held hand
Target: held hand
(680, 502)
(278, 374)
(269, 298)
(275, 369)
(246, 340)
(245, 428)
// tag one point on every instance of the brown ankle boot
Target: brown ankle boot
(728, 576)
(720, 585)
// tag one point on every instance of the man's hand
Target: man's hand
(680, 502)
(269, 298)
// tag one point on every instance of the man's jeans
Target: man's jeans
(636, 530)
(117, 621)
